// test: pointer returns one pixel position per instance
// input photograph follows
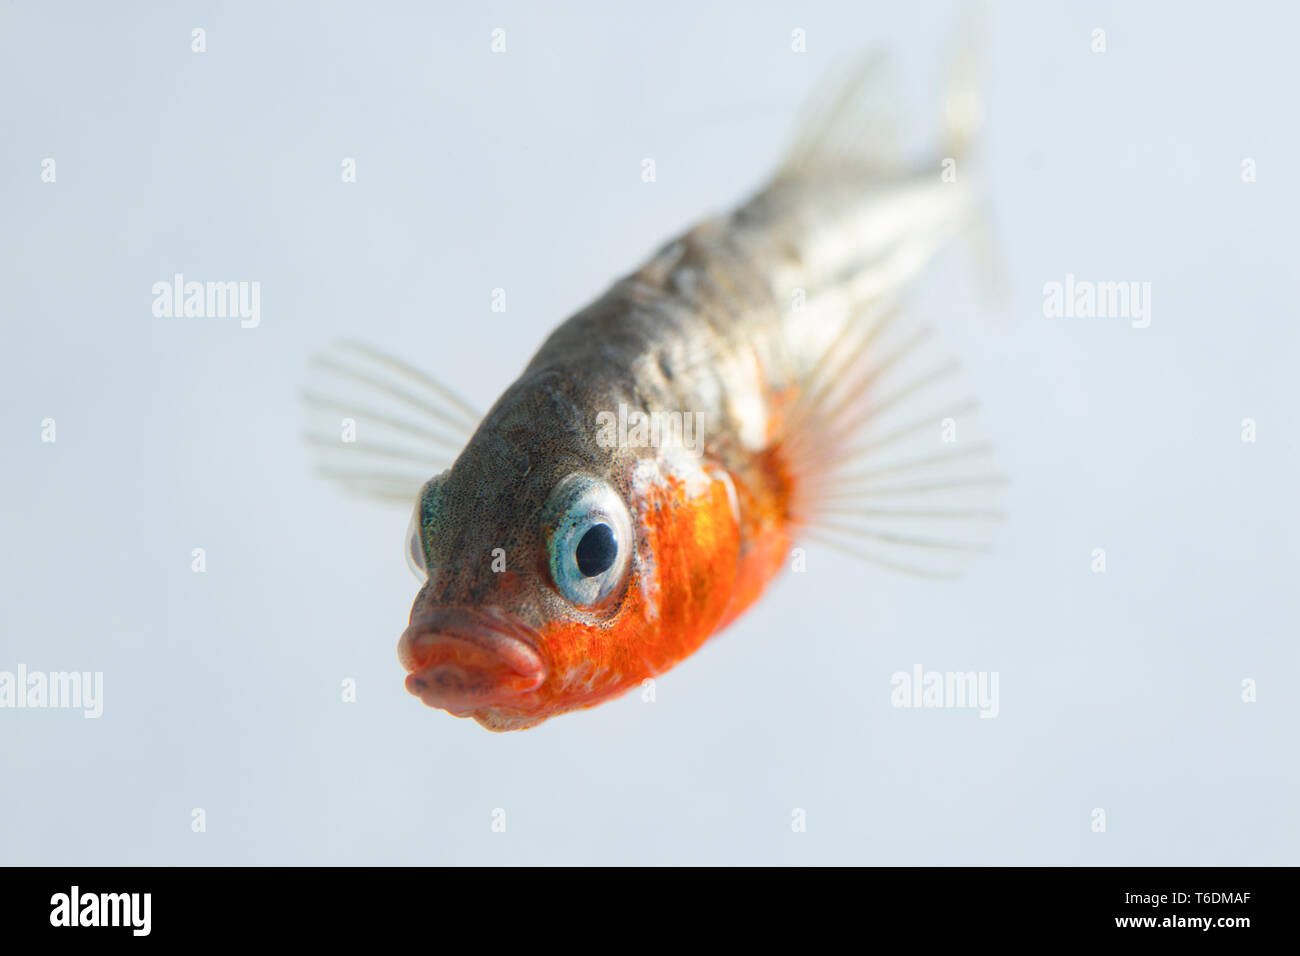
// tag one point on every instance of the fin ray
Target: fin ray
(848, 123)
(396, 427)
(886, 462)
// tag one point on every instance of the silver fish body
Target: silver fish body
(614, 554)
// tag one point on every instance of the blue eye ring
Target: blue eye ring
(589, 540)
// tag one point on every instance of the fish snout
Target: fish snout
(462, 661)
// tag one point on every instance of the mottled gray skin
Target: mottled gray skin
(708, 326)
(704, 326)
(694, 330)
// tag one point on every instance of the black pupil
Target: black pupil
(596, 551)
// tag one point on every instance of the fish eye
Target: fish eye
(425, 504)
(415, 546)
(590, 542)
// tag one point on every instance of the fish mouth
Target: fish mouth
(463, 661)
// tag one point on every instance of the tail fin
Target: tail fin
(963, 117)
(963, 108)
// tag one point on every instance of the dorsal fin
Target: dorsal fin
(847, 124)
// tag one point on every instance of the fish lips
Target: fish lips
(462, 661)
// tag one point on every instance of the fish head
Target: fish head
(560, 572)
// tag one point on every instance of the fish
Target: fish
(755, 388)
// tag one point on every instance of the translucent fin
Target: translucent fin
(377, 426)
(847, 124)
(963, 116)
(888, 459)
(963, 108)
